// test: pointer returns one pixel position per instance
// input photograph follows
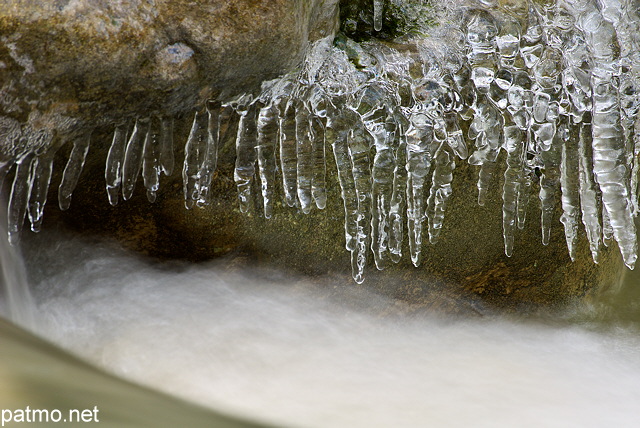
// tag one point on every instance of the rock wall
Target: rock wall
(68, 66)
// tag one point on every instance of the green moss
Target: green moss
(401, 18)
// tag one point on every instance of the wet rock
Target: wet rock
(70, 65)
(466, 271)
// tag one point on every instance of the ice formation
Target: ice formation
(553, 85)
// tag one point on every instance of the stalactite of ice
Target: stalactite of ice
(41, 171)
(288, 151)
(440, 192)
(555, 85)
(72, 170)
(317, 130)
(397, 205)
(607, 228)
(635, 174)
(419, 139)
(569, 183)
(317, 105)
(246, 141)
(19, 197)
(486, 129)
(588, 195)
(378, 14)
(266, 147)
(515, 146)
(347, 185)
(115, 158)
(338, 81)
(210, 156)
(549, 186)
(194, 154)
(133, 157)
(382, 176)
(524, 195)
(151, 167)
(304, 158)
(374, 110)
(245, 153)
(609, 160)
(359, 145)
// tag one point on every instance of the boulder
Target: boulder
(70, 66)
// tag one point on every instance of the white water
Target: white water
(261, 345)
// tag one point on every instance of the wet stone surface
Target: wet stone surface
(70, 67)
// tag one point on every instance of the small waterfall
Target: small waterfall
(16, 301)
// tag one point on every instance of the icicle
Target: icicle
(419, 137)
(588, 197)
(317, 133)
(266, 146)
(288, 161)
(486, 129)
(358, 143)
(569, 181)
(72, 170)
(378, 14)
(194, 153)
(514, 142)
(115, 158)
(210, 157)
(245, 153)
(549, 183)
(608, 144)
(19, 197)
(373, 110)
(41, 170)
(440, 190)
(610, 169)
(304, 158)
(396, 208)
(133, 157)
(167, 159)
(347, 185)
(607, 229)
(318, 183)
(150, 163)
(635, 174)
(382, 175)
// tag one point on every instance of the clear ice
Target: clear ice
(555, 86)
(72, 170)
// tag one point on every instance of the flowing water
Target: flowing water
(554, 85)
(266, 346)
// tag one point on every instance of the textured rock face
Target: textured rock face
(69, 65)
(72, 66)
(466, 271)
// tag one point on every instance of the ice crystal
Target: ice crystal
(555, 86)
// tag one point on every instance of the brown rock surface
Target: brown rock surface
(70, 65)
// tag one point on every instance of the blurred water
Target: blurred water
(274, 348)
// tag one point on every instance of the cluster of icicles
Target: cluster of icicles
(554, 87)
